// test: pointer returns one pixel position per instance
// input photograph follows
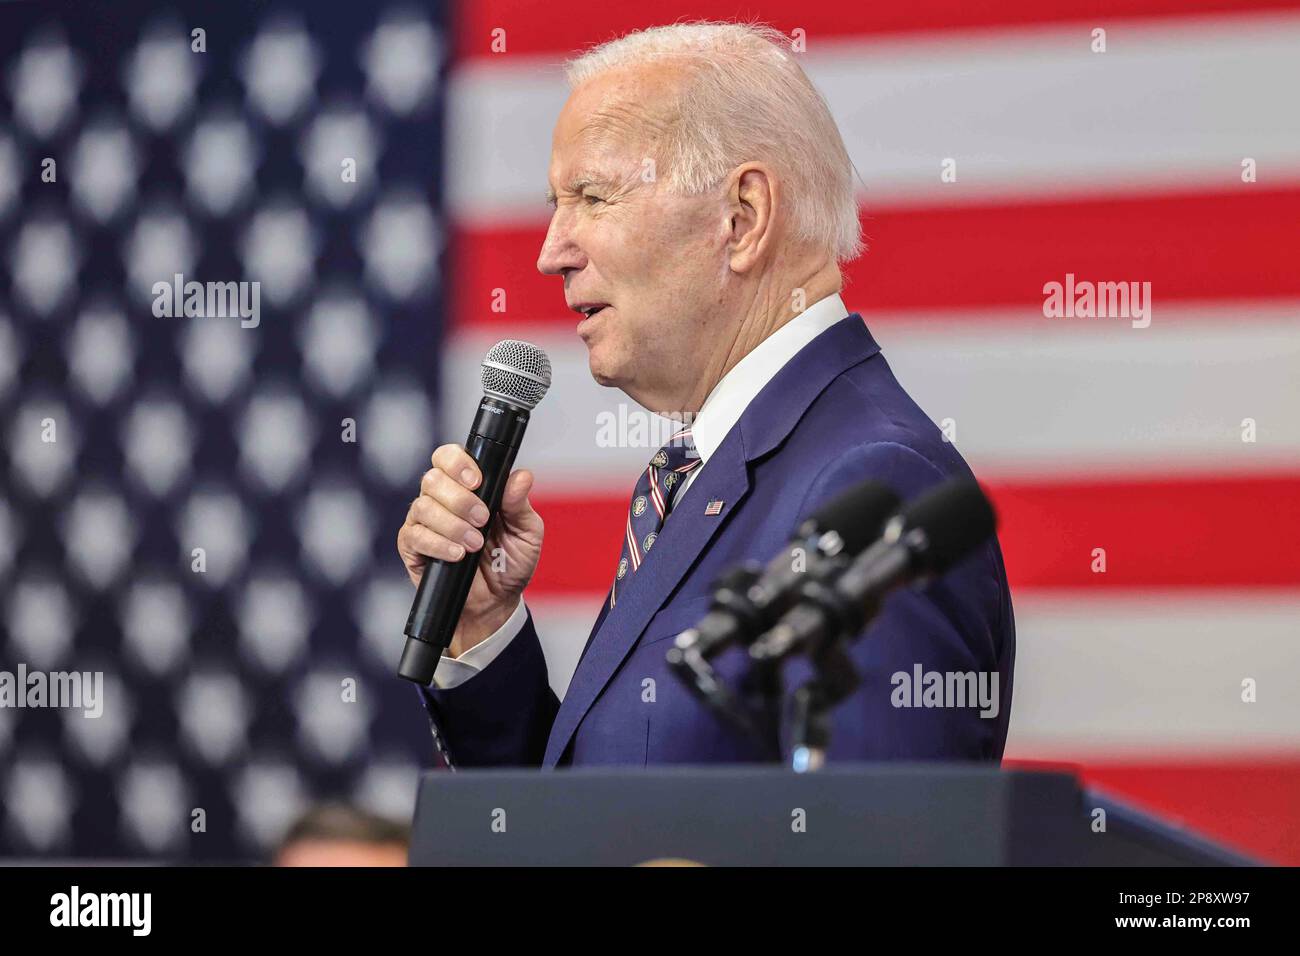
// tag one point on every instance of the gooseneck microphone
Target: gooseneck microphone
(928, 536)
(516, 376)
(750, 598)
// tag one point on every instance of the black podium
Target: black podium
(858, 815)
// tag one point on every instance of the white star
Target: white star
(213, 713)
(280, 70)
(44, 86)
(338, 342)
(401, 60)
(41, 622)
(40, 799)
(11, 179)
(279, 250)
(101, 740)
(380, 610)
(104, 168)
(156, 625)
(337, 134)
(160, 245)
(267, 797)
(274, 617)
(387, 788)
(216, 522)
(155, 807)
(43, 446)
(11, 355)
(219, 160)
(101, 354)
(157, 442)
(98, 536)
(334, 528)
(400, 242)
(217, 356)
(275, 437)
(45, 260)
(160, 78)
(395, 432)
(331, 727)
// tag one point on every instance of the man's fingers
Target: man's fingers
(516, 490)
(418, 539)
(433, 514)
(456, 461)
(439, 485)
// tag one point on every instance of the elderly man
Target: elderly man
(703, 204)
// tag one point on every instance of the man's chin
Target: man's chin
(602, 369)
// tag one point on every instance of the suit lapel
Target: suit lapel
(687, 531)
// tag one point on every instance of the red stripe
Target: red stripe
(1229, 532)
(1250, 804)
(1233, 245)
(561, 29)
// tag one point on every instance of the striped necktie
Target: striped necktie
(651, 502)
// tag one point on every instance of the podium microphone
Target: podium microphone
(516, 376)
(929, 535)
(750, 598)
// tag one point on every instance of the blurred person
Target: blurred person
(704, 203)
(338, 834)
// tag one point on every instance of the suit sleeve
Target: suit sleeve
(959, 624)
(502, 717)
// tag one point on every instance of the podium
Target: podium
(842, 815)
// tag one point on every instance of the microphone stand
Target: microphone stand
(835, 678)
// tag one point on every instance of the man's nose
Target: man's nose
(560, 252)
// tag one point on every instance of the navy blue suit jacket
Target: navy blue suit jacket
(833, 416)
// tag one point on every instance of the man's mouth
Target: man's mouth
(588, 309)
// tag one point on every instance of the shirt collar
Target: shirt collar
(732, 395)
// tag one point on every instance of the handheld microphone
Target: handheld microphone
(928, 536)
(516, 376)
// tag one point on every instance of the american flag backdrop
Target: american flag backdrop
(260, 676)
(1124, 165)
(1147, 478)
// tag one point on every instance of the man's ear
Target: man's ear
(753, 194)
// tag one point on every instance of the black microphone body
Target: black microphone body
(493, 442)
(749, 599)
(516, 376)
(929, 536)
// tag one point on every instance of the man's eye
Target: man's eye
(591, 198)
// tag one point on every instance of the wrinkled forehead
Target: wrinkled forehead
(620, 115)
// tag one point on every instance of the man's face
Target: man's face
(620, 239)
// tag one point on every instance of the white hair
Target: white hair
(745, 98)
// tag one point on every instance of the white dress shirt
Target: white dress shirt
(719, 413)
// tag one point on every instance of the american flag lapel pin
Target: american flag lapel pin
(714, 507)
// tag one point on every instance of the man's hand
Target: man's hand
(447, 520)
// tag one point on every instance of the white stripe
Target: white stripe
(1028, 395)
(1109, 674)
(1030, 110)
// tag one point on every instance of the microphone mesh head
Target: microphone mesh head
(518, 372)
